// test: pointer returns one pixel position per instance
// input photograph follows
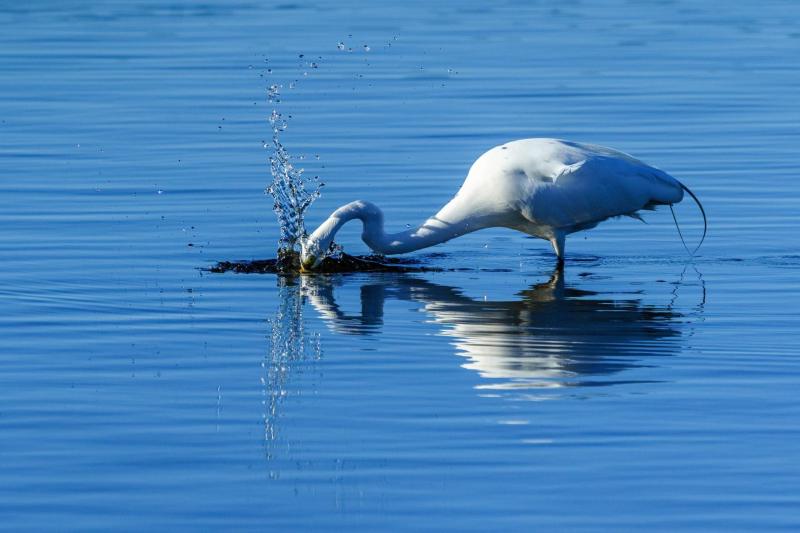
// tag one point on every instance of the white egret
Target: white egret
(547, 188)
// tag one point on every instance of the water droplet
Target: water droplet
(367, 48)
(291, 191)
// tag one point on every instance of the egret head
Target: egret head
(310, 254)
(312, 251)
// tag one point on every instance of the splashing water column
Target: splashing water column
(292, 191)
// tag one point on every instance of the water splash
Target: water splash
(292, 191)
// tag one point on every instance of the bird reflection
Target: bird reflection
(553, 335)
(291, 344)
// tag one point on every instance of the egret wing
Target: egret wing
(600, 187)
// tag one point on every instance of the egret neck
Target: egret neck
(448, 223)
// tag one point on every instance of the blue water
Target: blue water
(640, 391)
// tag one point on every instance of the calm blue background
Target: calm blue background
(640, 391)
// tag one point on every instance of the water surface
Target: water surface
(640, 390)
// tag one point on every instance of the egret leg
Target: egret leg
(558, 240)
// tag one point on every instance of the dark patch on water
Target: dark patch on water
(289, 263)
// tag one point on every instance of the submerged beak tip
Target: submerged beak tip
(308, 263)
